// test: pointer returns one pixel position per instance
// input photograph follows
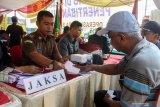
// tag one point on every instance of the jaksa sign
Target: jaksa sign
(40, 82)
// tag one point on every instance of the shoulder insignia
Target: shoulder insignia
(28, 41)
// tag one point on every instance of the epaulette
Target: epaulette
(31, 35)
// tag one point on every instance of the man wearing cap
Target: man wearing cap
(140, 68)
(151, 31)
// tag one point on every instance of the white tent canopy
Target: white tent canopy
(15, 4)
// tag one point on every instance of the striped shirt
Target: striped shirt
(141, 74)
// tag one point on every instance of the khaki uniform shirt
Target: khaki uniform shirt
(34, 42)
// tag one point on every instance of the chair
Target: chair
(16, 55)
(101, 41)
(157, 102)
(89, 47)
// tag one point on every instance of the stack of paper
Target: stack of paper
(79, 58)
(17, 77)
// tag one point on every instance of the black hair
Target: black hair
(99, 28)
(14, 19)
(66, 29)
(43, 13)
(75, 24)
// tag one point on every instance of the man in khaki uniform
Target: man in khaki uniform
(39, 48)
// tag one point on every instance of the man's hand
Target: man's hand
(64, 59)
(57, 65)
(29, 69)
(108, 99)
(85, 68)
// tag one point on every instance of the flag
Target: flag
(135, 9)
(61, 2)
(1, 18)
(57, 26)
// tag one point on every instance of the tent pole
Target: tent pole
(14, 12)
(145, 8)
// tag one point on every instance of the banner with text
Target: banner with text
(90, 16)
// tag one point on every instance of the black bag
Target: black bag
(97, 59)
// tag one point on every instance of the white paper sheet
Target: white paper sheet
(110, 92)
(69, 66)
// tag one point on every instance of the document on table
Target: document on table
(69, 66)
(110, 92)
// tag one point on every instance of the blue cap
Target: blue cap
(122, 21)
